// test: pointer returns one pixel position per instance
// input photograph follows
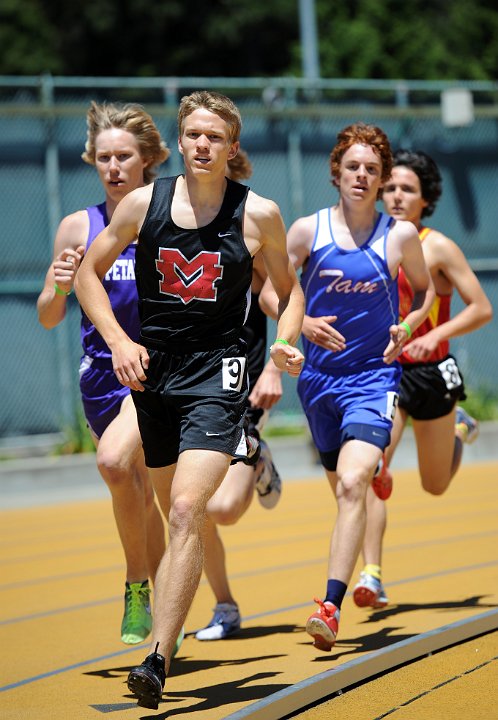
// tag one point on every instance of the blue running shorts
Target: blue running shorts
(365, 402)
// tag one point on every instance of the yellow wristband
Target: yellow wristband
(58, 290)
(408, 329)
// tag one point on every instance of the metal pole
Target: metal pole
(295, 159)
(174, 164)
(309, 43)
(54, 211)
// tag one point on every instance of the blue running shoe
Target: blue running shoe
(467, 426)
(225, 622)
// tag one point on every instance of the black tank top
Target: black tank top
(193, 284)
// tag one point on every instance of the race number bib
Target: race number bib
(233, 373)
(449, 370)
(392, 404)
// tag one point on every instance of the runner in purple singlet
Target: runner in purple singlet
(124, 146)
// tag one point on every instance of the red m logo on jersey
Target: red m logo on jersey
(189, 279)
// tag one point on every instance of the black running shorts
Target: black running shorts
(430, 390)
(192, 400)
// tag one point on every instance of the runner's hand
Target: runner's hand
(287, 358)
(66, 266)
(320, 331)
(399, 336)
(129, 362)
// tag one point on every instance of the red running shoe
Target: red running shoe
(323, 625)
(382, 481)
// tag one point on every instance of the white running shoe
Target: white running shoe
(268, 481)
(369, 592)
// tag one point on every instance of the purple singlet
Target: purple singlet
(101, 391)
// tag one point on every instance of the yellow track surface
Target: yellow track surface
(61, 603)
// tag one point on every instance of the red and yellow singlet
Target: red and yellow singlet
(439, 313)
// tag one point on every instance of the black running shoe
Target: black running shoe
(146, 681)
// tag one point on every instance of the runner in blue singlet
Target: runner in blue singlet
(350, 255)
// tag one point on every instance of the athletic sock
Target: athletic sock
(373, 570)
(143, 583)
(336, 590)
(462, 432)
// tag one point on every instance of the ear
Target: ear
(234, 149)
(180, 148)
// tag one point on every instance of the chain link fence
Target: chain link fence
(289, 129)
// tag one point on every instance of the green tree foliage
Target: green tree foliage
(413, 39)
(28, 41)
(140, 38)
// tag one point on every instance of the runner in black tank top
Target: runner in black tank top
(234, 496)
(189, 374)
(193, 284)
(194, 288)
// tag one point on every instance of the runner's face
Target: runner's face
(118, 162)
(205, 143)
(402, 195)
(361, 171)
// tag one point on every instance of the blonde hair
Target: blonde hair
(215, 103)
(135, 120)
(240, 167)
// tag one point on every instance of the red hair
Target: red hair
(361, 134)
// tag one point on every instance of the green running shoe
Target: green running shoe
(179, 641)
(137, 618)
